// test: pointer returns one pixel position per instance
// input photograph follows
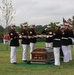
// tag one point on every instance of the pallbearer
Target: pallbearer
(57, 44)
(49, 37)
(72, 33)
(32, 35)
(70, 38)
(61, 52)
(65, 43)
(14, 43)
(25, 42)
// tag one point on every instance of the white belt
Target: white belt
(70, 37)
(49, 36)
(11, 39)
(64, 38)
(57, 39)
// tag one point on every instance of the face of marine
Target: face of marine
(66, 26)
(25, 27)
(57, 28)
(70, 28)
(13, 27)
(33, 27)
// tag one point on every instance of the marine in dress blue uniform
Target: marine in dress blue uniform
(70, 37)
(33, 41)
(49, 37)
(25, 42)
(14, 43)
(57, 44)
(65, 43)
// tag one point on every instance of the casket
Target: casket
(43, 55)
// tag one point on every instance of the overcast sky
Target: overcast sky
(41, 12)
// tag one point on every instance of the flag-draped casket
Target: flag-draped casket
(43, 55)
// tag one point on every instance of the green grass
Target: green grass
(31, 69)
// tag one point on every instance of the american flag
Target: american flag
(64, 21)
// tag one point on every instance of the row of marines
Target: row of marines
(63, 37)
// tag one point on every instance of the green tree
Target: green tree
(1, 33)
(39, 29)
(1, 29)
(52, 26)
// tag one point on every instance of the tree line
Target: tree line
(39, 28)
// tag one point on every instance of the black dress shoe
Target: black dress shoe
(28, 62)
(24, 60)
(14, 63)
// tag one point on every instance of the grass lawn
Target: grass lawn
(31, 69)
